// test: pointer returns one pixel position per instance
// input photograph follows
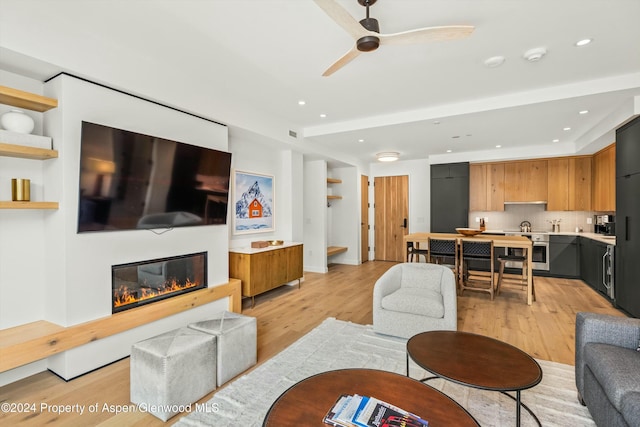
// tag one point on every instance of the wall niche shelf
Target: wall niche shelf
(29, 101)
(28, 205)
(333, 181)
(24, 152)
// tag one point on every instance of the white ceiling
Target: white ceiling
(265, 55)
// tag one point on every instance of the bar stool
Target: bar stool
(442, 250)
(474, 250)
(415, 250)
(522, 280)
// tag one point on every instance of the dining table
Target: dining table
(521, 242)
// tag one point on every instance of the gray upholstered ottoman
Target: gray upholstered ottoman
(172, 370)
(237, 342)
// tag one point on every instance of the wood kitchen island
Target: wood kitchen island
(499, 241)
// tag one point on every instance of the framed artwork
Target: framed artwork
(253, 203)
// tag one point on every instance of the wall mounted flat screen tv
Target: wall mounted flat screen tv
(133, 181)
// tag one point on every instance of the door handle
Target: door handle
(404, 223)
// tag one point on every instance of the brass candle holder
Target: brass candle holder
(20, 190)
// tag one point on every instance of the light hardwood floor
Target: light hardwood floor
(545, 330)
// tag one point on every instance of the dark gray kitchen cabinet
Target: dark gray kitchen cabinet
(627, 252)
(591, 263)
(628, 149)
(564, 256)
(449, 197)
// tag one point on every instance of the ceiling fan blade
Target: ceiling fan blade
(343, 18)
(451, 32)
(346, 58)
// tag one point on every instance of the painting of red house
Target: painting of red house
(255, 209)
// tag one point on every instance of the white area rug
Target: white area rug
(337, 345)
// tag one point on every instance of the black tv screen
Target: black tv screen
(133, 181)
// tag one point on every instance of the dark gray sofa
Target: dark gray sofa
(608, 368)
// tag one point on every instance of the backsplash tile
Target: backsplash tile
(537, 215)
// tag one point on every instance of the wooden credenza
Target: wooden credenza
(261, 270)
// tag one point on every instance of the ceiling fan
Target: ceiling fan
(368, 37)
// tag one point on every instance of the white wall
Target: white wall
(315, 216)
(252, 154)
(343, 217)
(419, 190)
(65, 277)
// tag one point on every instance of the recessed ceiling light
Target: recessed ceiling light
(323, 115)
(361, 140)
(583, 42)
(583, 112)
(567, 128)
(556, 140)
(448, 151)
(389, 156)
(301, 102)
(498, 146)
(494, 61)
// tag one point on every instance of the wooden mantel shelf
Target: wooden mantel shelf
(38, 340)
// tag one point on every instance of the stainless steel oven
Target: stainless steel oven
(540, 251)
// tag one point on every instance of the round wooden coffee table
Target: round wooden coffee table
(476, 361)
(307, 402)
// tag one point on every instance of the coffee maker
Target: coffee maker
(605, 224)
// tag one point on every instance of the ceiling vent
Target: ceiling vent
(293, 134)
(535, 54)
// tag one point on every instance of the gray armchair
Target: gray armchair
(608, 368)
(410, 298)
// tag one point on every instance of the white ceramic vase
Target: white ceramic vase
(17, 121)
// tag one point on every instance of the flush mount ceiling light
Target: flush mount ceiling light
(494, 61)
(535, 54)
(388, 156)
(583, 42)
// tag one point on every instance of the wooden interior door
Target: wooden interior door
(364, 218)
(391, 217)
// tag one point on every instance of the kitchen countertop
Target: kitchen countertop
(610, 240)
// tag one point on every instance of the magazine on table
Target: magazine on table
(363, 411)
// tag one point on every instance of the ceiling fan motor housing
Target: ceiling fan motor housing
(369, 43)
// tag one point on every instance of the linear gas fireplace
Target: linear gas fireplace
(144, 282)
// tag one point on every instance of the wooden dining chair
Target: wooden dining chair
(473, 250)
(444, 251)
(520, 280)
(413, 248)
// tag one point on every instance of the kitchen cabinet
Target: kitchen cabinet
(628, 146)
(261, 270)
(449, 197)
(569, 184)
(525, 181)
(558, 184)
(604, 176)
(627, 264)
(478, 193)
(591, 263)
(580, 183)
(486, 187)
(564, 256)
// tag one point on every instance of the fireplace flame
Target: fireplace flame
(123, 295)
